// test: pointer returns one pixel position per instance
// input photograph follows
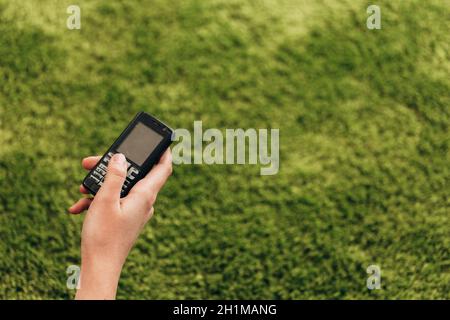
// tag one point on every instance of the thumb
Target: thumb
(114, 179)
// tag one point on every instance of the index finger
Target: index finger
(89, 162)
(155, 179)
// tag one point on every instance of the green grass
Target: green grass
(364, 129)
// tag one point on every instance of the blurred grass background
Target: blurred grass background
(364, 128)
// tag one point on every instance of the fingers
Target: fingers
(89, 162)
(155, 179)
(114, 179)
(80, 206)
(83, 189)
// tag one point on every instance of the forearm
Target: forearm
(98, 280)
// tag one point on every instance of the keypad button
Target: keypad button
(100, 171)
(108, 157)
(89, 181)
(97, 180)
(132, 173)
(97, 175)
(94, 187)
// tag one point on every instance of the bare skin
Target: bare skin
(112, 224)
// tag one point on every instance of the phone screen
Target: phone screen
(139, 143)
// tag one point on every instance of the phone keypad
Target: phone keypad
(97, 176)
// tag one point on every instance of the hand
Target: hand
(112, 224)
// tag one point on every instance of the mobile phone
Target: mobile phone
(142, 142)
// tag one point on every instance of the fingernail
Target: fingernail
(120, 159)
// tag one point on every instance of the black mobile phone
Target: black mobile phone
(142, 142)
